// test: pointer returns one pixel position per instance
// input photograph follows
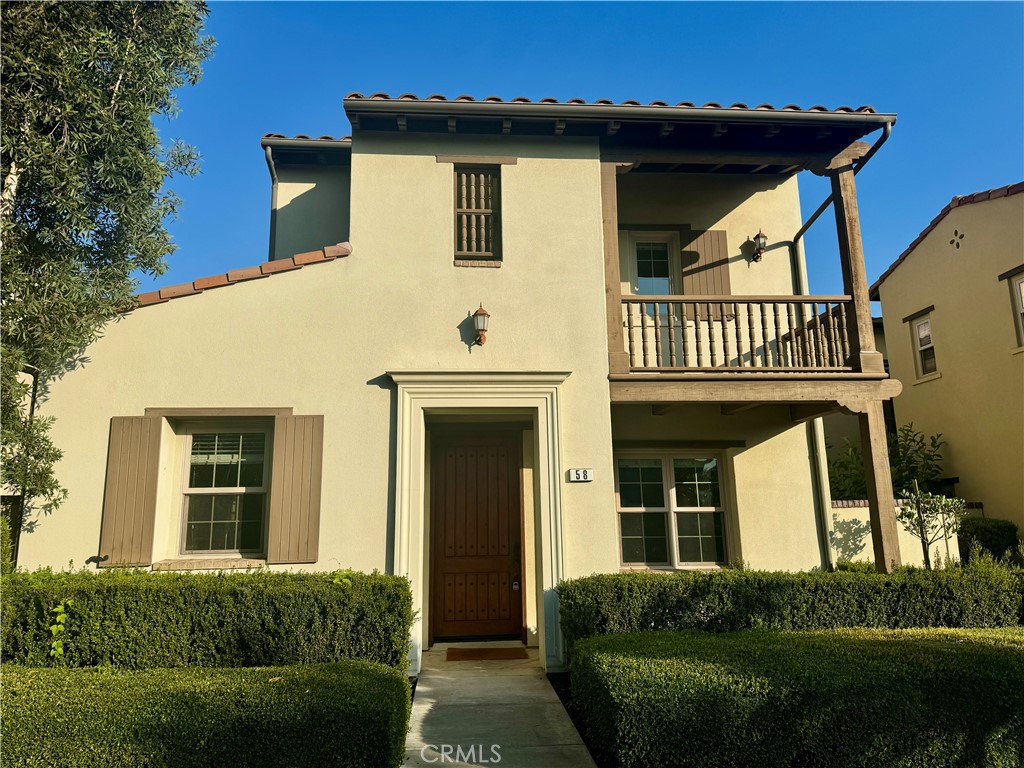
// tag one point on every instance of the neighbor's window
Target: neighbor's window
(226, 492)
(478, 212)
(925, 347)
(670, 510)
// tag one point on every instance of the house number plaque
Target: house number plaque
(581, 475)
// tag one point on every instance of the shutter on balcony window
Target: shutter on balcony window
(294, 530)
(478, 212)
(705, 266)
(129, 499)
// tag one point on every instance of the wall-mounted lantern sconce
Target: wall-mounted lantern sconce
(760, 244)
(480, 321)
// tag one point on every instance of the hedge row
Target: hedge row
(983, 594)
(140, 620)
(348, 714)
(843, 698)
(997, 537)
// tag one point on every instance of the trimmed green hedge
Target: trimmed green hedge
(843, 698)
(997, 537)
(348, 714)
(141, 620)
(981, 595)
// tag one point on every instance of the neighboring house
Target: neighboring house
(647, 398)
(953, 305)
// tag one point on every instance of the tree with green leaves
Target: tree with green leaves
(912, 456)
(930, 518)
(83, 203)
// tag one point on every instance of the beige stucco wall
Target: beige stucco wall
(312, 208)
(977, 399)
(768, 491)
(738, 204)
(320, 340)
(851, 539)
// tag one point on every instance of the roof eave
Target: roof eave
(591, 112)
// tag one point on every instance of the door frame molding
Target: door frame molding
(473, 392)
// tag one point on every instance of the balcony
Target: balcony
(737, 335)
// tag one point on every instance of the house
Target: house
(953, 306)
(497, 344)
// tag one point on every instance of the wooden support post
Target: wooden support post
(863, 355)
(618, 360)
(879, 483)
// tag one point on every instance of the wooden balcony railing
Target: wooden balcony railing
(737, 333)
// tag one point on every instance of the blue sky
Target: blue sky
(954, 73)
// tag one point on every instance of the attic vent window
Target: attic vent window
(478, 212)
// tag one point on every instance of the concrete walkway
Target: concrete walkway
(490, 710)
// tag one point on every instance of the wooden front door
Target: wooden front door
(476, 532)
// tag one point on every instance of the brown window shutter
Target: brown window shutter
(294, 534)
(705, 266)
(129, 499)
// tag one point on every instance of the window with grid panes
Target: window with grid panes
(925, 348)
(478, 212)
(670, 510)
(226, 492)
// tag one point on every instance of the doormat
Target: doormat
(485, 654)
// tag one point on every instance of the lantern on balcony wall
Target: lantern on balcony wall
(760, 244)
(481, 319)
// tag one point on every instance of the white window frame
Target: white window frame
(671, 238)
(672, 507)
(919, 348)
(191, 428)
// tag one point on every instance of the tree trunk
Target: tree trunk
(10, 191)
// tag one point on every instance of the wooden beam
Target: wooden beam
(354, 122)
(506, 126)
(618, 360)
(783, 388)
(884, 534)
(710, 156)
(660, 409)
(666, 129)
(806, 411)
(731, 409)
(400, 119)
(758, 169)
(559, 127)
(613, 127)
(860, 329)
(716, 167)
(452, 125)
(718, 130)
(771, 131)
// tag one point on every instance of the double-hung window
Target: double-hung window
(925, 348)
(671, 510)
(225, 493)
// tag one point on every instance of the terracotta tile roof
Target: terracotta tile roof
(356, 96)
(956, 202)
(304, 137)
(266, 269)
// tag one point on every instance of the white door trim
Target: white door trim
(420, 392)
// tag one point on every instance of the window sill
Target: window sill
(929, 377)
(670, 568)
(208, 564)
(1018, 350)
(477, 263)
